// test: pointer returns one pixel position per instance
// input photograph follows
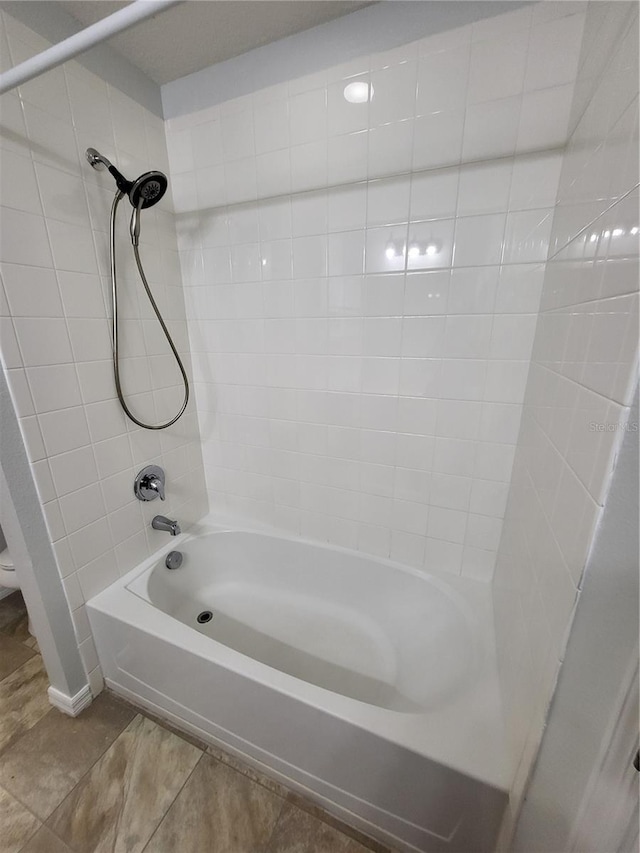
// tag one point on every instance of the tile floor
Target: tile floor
(116, 781)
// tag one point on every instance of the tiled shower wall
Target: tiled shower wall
(362, 283)
(54, 310)
(581, 383)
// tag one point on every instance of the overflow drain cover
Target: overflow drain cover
(205, 616)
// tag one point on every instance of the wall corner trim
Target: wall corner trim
(70, 705)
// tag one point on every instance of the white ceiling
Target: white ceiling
(199, 33)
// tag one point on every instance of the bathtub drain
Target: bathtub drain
(205, 616)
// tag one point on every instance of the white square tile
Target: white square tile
(410, 517)
(309, 257)
(483, 532)
(450, 492)
(412, 484)
(473, 290)
(459, 419)
(64, 430)
(478, 564)
(535, 180)
(420, 377)
(347, 207)
(497, 67)
(81, 295)
(434, 194)
(240, 180)
(32, 291)
(422, 337)
(347, 157)
(54, 387)
(430, 244)
(500, 422)
(346, 253)
(426, 293)
(484, 188)
(380, 375)
(441, 556)
(237, 135)
(447, 524)
(438, 139)
(308, 117)
(271, 125)
(390, 148)
(527, 236)
(346, 115)
(72, 247)
(393, 93)
(413, 453)
(462, 378)
(309, 165)
(491, 129)
(73, 470)
(43, 341)
(18, 184)
(386, 249)
(24, 239)
(407, 548)
(388, 201)
(494, 462)
(273, 173)
(488, 498)
(309, 213)
(442, 80)
(544, 122)
(82, 507)
(453, 456)
(512, 336)
(554, 51)
(478, 240)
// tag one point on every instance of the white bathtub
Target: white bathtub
(366, 685)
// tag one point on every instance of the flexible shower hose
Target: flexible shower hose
(114, 296)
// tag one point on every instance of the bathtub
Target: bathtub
(367, 686)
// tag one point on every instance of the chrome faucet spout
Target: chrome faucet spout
(160, 522)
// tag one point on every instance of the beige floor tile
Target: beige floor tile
(12, 613)
(44, 841)
(299, 832)
(12, 655)
(17, 825)
(218, 811)
(43, 766)
(23, 700)
(117, 806)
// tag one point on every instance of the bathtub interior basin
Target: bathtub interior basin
(377, 634)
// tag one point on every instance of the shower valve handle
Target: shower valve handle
(149, 484)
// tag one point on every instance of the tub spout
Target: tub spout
(162, 523)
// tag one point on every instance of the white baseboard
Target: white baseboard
(71, 705)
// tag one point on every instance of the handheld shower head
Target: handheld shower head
(149, 188)
(144, 192)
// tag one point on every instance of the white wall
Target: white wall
(581, 382)
(54, 310)
(362, 283)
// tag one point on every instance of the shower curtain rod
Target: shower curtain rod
(121, 20)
